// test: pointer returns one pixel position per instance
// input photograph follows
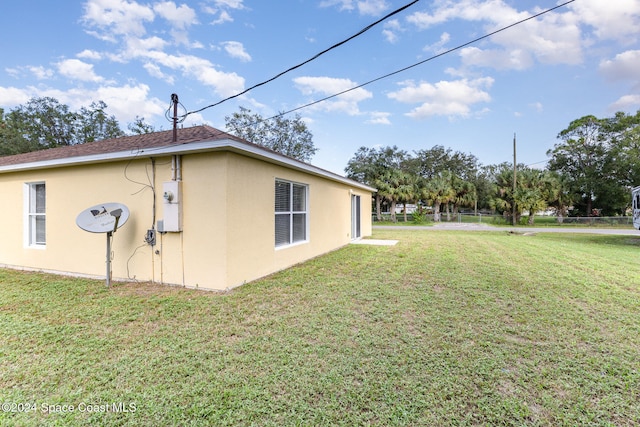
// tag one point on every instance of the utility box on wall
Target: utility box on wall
(171, 207)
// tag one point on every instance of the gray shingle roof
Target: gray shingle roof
(126, 143)
(192, 139)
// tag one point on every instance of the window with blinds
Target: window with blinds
(291, 212)
(36, 214)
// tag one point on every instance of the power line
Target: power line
(423, 61)
(365, 29)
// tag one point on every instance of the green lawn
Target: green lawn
(447, 328)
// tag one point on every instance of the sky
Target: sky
(531, 80)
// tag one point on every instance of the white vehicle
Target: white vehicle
(635, 193)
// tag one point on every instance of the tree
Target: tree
(503, 199)
(372, 166)
(290, 137)
(535, 188)
(46, 123)
(429, 163)
(560, 195)
(392, 188)
(93, 124)
(622, 163)
(601, 160)
(483, 184)
(580, 156)
(464, 193)
(406, 190)
(140, 127)
(12, 140)
(440, 191)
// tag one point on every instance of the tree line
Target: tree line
(590, 172)
(44, 123)
(591, 169)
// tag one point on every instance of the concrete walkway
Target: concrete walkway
(375, 242)
(486, 227)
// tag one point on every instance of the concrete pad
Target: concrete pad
(375, 242)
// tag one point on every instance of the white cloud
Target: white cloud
(13, 72)
(624, 66)
(438, 47)
(391, 30)
(390, 36)
(224, 84)
(616, 20)
(12, 96)
(327, 86)
(136, 47)
(236, 50)
(516, 59)
(180, 17)
(372, 7)
(496, 11)
(379, 118)
(196, 119)
(120, 17)
(221, 9)
(124, 102)
(224, 17)
(41, 73)
(364, 7)
(554, 38)
(78, 70)
(626, 103)
(537, 106)
(90, 54)
(156, 72)
(231, 4)
(342, 4)
(444, 98)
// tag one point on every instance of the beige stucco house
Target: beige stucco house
(208, 211)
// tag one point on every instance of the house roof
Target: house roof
(189, 140)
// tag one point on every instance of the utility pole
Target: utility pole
(174, 101)
(515, 172)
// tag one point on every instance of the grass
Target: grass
(624, 222)
(448, 328)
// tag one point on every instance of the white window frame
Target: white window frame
(291, 212)
(30, 216)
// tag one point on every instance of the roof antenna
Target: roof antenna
(174, 101)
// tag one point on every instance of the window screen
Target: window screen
(36, 216)
(290, 212)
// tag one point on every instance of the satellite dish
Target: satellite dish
(103, 218)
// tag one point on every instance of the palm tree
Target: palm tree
(439, 191)
(406, 190)
(465, 193)
(534, 191)
(387, 184)
(560, 195)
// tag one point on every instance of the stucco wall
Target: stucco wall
(68, 192)
(251, 230)
(228, 220)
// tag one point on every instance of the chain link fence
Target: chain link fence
(539, 221)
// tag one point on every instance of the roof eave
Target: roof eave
(190, 148)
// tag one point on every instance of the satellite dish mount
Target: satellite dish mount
(104, 218)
